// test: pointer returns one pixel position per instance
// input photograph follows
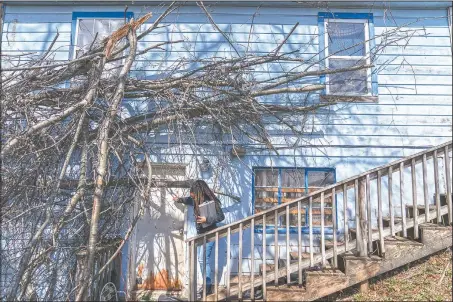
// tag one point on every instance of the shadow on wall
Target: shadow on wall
(159, 244)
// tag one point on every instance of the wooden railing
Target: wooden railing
(360, 187)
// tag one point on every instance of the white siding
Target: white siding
(413, 113)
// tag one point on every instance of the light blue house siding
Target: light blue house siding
(413, 81)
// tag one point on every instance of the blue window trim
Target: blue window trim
(292, 230)
(369, 17)
(81, 15)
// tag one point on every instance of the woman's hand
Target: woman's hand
(175, 198)
(201, 219)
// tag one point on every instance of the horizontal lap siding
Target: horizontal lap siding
(413, 113)
(414, 108)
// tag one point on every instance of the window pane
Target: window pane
(85, 33)
(102, 28)
(320, 178)
(293, 178)
(293, 184)
(116, 24)
(343, 38)
(350, 82)
(266, 178)
(266, 189)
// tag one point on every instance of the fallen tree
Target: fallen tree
(71, 158)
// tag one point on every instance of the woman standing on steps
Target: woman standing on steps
(200, 193)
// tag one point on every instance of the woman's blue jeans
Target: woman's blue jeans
(209, 248)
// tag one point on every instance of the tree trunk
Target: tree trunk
(103, 143)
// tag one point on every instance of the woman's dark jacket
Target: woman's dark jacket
(212, 224)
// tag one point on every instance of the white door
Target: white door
(159, 242)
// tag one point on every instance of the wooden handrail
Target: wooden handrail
(365, 234)
(407, 161)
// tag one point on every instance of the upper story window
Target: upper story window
(91, 28)
(92, 31)
(346, 40)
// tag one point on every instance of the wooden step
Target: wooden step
(329, 243)
(359, 268)
(295, 255)
(397, 247)
(325, 282)
(396, 219)
(432, 234)
(420, 208)
(386, 221)
(397, 240)
(234, 279)
(433, 226)
(354, 230)
(286, 293)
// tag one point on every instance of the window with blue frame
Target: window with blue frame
(346, 40)
(274, 186)
(91, 28)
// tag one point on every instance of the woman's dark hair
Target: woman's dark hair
(202, 193)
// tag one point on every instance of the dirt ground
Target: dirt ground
(428, 279)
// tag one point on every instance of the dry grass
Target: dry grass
(428, 279)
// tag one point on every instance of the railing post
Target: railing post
(358, 227)
(323, 239)
(203, 269)
(390, 192)
(239, 263)
(448, 184)
(436, 186)
(362, 243)
(310, 229)
(334, 228)
(216, 263)
(252, 258)
(380, 221)
(402, 201)
(368, 214)
(345, 210)
(414, 198)
(228, 262)
(288, 258)
(425, 189)
(299, 240)
(264, 257)
(276, 247)
(192, 271)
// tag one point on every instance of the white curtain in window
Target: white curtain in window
(346, 47)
